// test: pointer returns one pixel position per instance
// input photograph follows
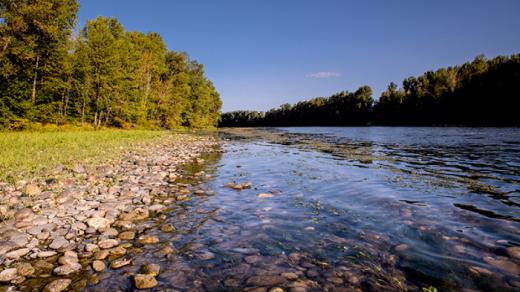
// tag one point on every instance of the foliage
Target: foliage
(478, 93)
(103, 75)
(343, 108)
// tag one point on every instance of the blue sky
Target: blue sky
(263, 53)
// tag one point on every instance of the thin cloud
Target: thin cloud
(324, 74)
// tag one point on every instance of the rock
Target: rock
(252, 259)
(232, 282)
(165, 251)
(504, 265)
(67, 260)
(401, 247)
(32, 190)
(58, 243)
(126, 235)
(46, 254)
(24, 215)
(65, 270)
(90, 247)
(8, 275)
(312, 273)
(98, 223)
(480, 271)
(266, 280)
(152, 269)
(205, 255)
(101, 255)
(276, 289)
(16, 254)
(25, 269)
(167, 228)
(514, 252)
(119, 263)
(144, 281)
(290, 276)
(108, 243)
(148, 239)
(264, 195)
(118, 251)
(57, 285)
(98, 265)
(137, 214)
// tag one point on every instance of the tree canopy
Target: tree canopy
(478, 93)
(102, 75)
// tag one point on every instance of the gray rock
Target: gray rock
(58, 243)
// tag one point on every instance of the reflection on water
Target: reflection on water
(354, 208)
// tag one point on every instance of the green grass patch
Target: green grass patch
(25, 154)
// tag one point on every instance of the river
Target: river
(368, 208)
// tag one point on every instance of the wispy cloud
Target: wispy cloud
(324, 74)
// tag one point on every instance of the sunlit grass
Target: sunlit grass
(25, 154)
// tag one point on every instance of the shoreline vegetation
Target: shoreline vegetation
(100, 75)
(478, 93)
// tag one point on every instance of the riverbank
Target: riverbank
(80, 203)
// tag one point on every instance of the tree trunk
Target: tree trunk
(33, 96)
(83, 110)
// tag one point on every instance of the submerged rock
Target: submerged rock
(152, 269)
(57, 285)
(143, 281)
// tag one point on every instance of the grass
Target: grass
(25, 154)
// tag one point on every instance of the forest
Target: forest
(52, 72)
(478, 93)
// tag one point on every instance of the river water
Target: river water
(369, 208)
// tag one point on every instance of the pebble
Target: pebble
(57, 285)
(108, 243)
(24, 214)
(514, 252)
(142, 281)
(25, 269)
(46, 254)
(290, 276)
(401, 247)
(98, 265)
(119, 263)
(167, 228)
(32, 190)
(148, 239)
(8, 275)
(98, 223)
(504, 265)
(152, 269)
(16, 254)
(265, 195)
(58, 243)
(65, 270)
(126, 235)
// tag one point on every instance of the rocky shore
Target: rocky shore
(69, 221)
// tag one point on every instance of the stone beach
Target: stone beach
(55, 227)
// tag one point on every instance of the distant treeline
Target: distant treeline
(102, 75)
(478, 93)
